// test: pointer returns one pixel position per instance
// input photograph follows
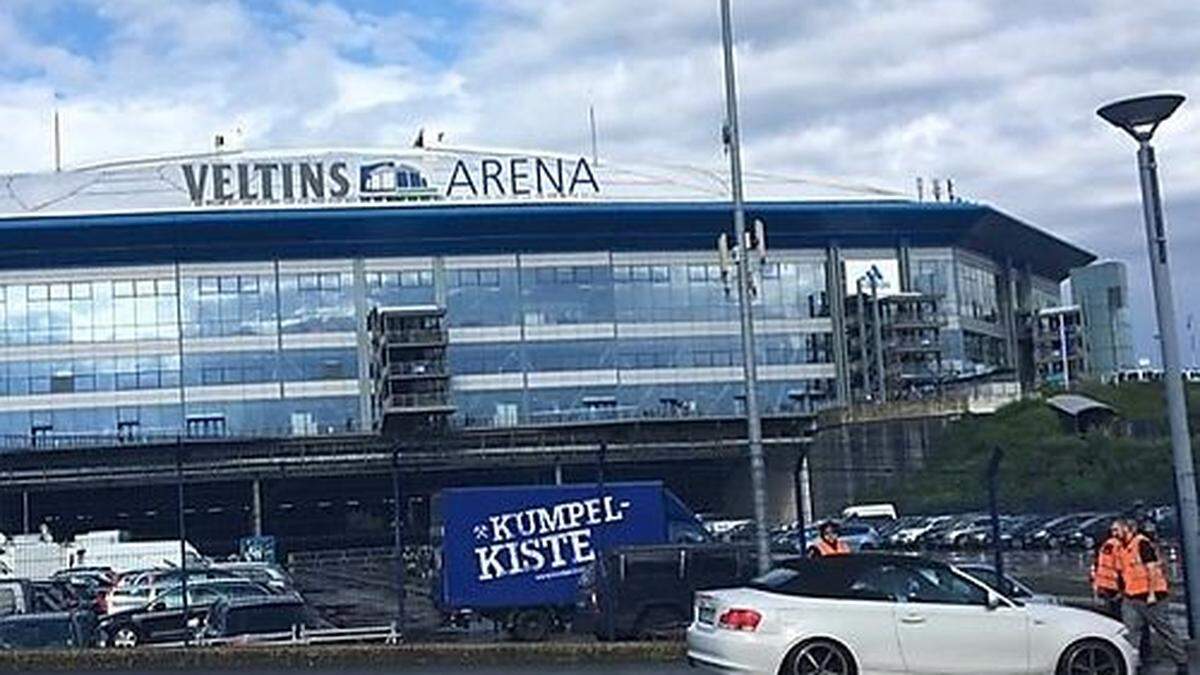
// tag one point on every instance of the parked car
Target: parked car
(136, 589)
(271, 576)
(54, 630)
(871, 514)
(256, 616)
(935, 537)
(1089, 533)
(1050, 534)
(164, 619)
(1011, 587)
(910, 534)
(647, 591)
(832, 612)
(16, 597)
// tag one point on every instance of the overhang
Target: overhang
(294, 233)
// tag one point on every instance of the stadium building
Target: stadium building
(226, 295)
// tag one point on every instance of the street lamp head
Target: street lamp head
(1140, 116)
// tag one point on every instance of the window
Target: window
(60, 291)
(208, 285)
(123, 289)
(37, 292)
(144, 288)
(308, 282)
(8, 601)
(248, 284)
(170, 600)
(939, 585)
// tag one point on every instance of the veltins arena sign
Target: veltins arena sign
(338, 180)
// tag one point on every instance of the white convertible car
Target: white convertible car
(869, 614)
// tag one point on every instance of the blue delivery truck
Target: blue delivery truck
(515, 554)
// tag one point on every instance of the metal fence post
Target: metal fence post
(183, 561)
(798, 478)
(993, 481)
(398, 541)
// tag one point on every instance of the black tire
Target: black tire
(659, 622)
(1091, 657)
(531, 625)
(125, 636)
(819, 656)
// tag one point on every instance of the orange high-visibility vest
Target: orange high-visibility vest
(1106, 569)
(824, 548)
(1141, 579)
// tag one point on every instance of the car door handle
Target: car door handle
(913, 619)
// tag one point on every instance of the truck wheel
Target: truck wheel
(531, 625)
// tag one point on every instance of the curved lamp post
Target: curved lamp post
(1139, 117)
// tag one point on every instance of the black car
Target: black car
(55, 630)
(164, 618)
(235, 617)
(646, 591)
(1090, 533)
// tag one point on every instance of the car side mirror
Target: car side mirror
(994, 601)
(158, 607)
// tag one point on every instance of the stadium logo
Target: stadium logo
(389, 181)
(314, 182)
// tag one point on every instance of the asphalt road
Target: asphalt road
(607, 669)
(610, 669)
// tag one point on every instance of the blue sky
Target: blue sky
(999, 96)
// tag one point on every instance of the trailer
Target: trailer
(38, 556)
(515, 554)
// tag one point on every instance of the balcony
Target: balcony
(417, 403)
(415, 337)
(417, 370)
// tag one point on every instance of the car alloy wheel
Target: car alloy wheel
(125, 638)
(1092, 658)
(821, 658)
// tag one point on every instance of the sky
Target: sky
(998, 96)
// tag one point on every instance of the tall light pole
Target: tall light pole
(758, 467)
(1140, 117)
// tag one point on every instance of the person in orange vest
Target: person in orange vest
(1146, 592)
(828, 543)
(1106, 571)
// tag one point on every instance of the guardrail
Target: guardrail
(299, 636)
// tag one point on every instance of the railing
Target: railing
(416, 401)
(418, 369)
(415, 336)
(298, 636)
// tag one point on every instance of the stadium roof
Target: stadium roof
(307, 204)
(258, 234)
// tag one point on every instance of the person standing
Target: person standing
(828, 542)
(1106, 571)
(1146, 593)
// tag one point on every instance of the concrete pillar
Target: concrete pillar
(904, 259)
(25, 519)
(558, 473)
(835, 293)
(256, 508)
(363, 347)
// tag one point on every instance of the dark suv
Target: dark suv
(646, 591)
(164, 619)
(279, 615)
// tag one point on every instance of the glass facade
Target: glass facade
(278, 347)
